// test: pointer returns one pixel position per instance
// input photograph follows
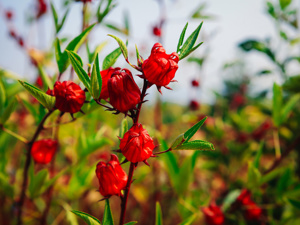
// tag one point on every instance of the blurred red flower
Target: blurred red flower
(42, 151)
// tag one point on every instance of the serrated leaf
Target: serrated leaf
(111, 58)
(181, 38)
(36, 183)
(288, 107)
(158, 215)
(8, 110)
(196, 145)
(107, 217)
(96, 79)
(90, 220)
(46, 80)
(178, 141)
(190, 42)
(230, 199)
(122, 46)
(46, 100)
(190, 133)
(82, 75)
(277, 104)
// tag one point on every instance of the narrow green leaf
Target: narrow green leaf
(178, 141)
(277, 104)
(122, 46)
(46, 80)
(229, 199)
(288, 107)
(196, 145)
(46, 100)
(190, 42)
(131, 223)
(254, 176)
(107, 217)
(62, 21)
(5, 185)
(55, 17)
(8, 110)
(158, 215)
(272, 175)
(111, 58)
(295, 203)
(138, 57)
(82, 75)
(126, 22)
(258, 155)
(96, 79)
(92, 55)
(189, 52)
(2, 96)
(284, 182)
(90, 220)
(190, 133)
(181, 38)
(36, 183)
(189, 220)
(124, 128)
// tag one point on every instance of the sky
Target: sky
(234, 21)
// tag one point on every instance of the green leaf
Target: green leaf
(107, 217)
(36, 183)
(188, 45)
(190, 133)
(82, 75)
(62, 57)
(46, 100)
(292, 84)
(258, 155)
(8, 110)
(284, 3)
(181, 38)
(190, 51)
(230, 199)
(90, 220)
(92, 55)
(178, 141)
(254, 176)
(158, 215)
(189, 220)
(288, 107)
(295, 203)
(196, 145)
(185, 173)
(55, 17)
(249, 45)
(124, 128)
(284, 182)
(62, 21)
(111, 58)
(2, 96)
(131, 223)
(122, 46)
(46, 80)
(277, 104)
(96, 79)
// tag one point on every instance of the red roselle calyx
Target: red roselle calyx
(123, 92)
(160, 68)
(69, 96)
(195, 83)
(106, 74)
(42, 151)
(157, 31)
(137, 145)
(213, 215)
(41, 8)
(112, 178)
(9, 15)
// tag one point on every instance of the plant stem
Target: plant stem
(136, 119)
(26, 168)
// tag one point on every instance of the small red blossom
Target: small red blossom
(213, 215)
(112, 178)
(194, 105)
(137, 145)
(106, 74)
(123, 92)
(69, 96)
(42, 151)
(195, 83)
(41, 8)
(9, 15)
(157, 31)
(160, 68)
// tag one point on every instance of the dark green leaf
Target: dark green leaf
(178, 141)
(6, 187)
(131, 223)
(181, 38)
(96, 80)
(295, 203)
(258, 155)
(258, 46)
(36, 183)
(284, 182)
(292, 84)
(82, 75)
(188, 45)
(46, 100)
(288, 107)
(277, 104)
(62, 21)
(284, 3)
(90, 220)
(107, 217)
(196, 145)
(8, 110)
(111, 58)
(158, 215)
(190, 133)
(55, 17)
(122, 46)
(190, 51)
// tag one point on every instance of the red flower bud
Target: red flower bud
(112, 178)
(160, 68)
(42, 151)
(123, 92)
(157, 31)
(244, 197)
(194, 105)
(213, 215)
(69, 96)
(21, 42)
(9, 15)
(252, 211)
(137, 145)
(105, 75)
(13, 34)
(195, 83)
(41, 8)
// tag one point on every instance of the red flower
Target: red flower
(42, 151)
(244, 197)
(194, 105)
(41, 8)
(137, 145)
(157, 31)
(195, 83)
(112, 178)
(160, 68)
(9, 14)
(213, 215)
(69, 96)
(123, 92)
(105, 75)
(261, 131)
